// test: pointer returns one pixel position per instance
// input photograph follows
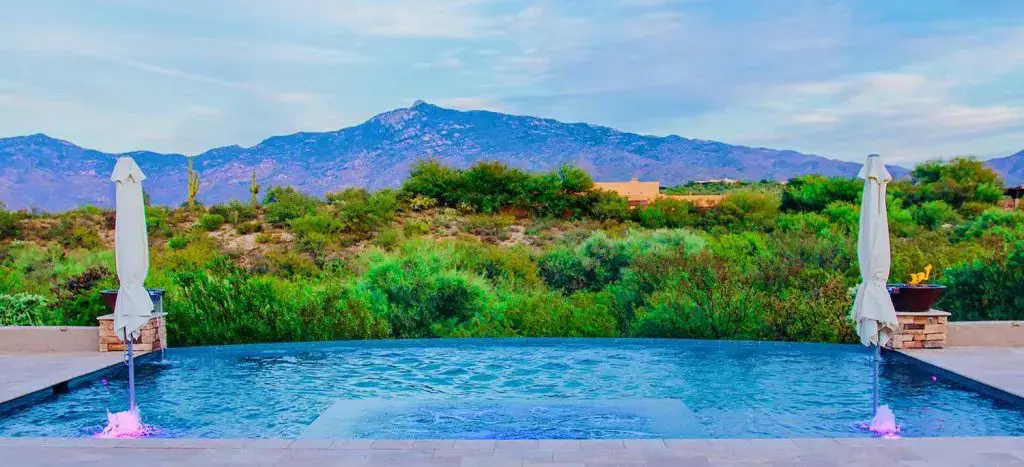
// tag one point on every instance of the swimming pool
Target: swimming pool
(522, 388)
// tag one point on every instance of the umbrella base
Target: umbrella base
(921, 330)
(153, 335)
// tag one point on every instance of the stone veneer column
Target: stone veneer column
(154, 335)
(921, 330)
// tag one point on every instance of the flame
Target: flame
(919, 277)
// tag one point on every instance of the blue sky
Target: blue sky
(909, 79)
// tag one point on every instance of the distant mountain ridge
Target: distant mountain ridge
(37, 171)
(1010, 167)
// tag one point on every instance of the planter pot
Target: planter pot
(914, 298)
(110, 298)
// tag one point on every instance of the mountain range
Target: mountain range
(41, 172)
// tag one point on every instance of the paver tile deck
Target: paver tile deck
(985, 451)
(24, 373)
(999, 367)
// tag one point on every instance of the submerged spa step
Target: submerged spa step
(505, 419)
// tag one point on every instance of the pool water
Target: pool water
(522, 388)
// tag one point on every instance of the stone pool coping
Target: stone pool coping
(979, 451)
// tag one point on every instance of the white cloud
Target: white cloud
(396, 18)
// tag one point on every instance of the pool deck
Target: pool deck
(931, 452)
(23, 375)
(1001, 368)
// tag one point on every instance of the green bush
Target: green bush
(935, 214)
(667, 212)
(490, 187)
(814, 192)
(388, 239)
(986, 289)
(71, 234)
(211, 222)
(246, 228)
(994, 221)
(420, 293)
(234, 211)
(316, 223)
(487, 225)
(157, 224)
(282, 204)
(746, 209)
(223, 305)
(24, 309)
(956, 182)
(611, 206)
(177, 242)
(363, 212)
(8, 223)
(844, 215)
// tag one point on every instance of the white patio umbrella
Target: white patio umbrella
(872, 310)
(131, 247)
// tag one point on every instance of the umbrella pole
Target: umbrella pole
(131, 374)
(876, 358)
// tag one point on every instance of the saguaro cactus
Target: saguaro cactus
(193, 185)
(254, 188)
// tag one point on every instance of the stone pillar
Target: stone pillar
(921, 330)
(154, 335)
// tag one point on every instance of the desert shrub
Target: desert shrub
(490, 187)
(290, 264)
(246, 228)
(844, 215)
(994, 221)
(282, 204)
(600, 260)
(488, 226)
(388, 239)
(210, 222)
(935, 214)
(745, 209)
(566, 270)
(311, 224)
(369, 212)
(956, 182)
(973, 209)
(79, 302)
(71, 234)
(548, 314)
(422, 295)
(805, 221)
(608, 205)
(8, 223)
(986, 289)
(815, 192)
(223, 305)
(422, 203)
(234, 211)
(177, 242)
(157, 224)
(901, 220)
(431, 179)
(667, 212)
(414, 227)
(24, 309)
(705, 300)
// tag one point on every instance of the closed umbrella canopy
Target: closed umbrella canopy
(872, 310)
(131, 246)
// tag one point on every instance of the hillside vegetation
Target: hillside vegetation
(494, 251)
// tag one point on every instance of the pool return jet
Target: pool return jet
(872, 310)
(134, 306)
